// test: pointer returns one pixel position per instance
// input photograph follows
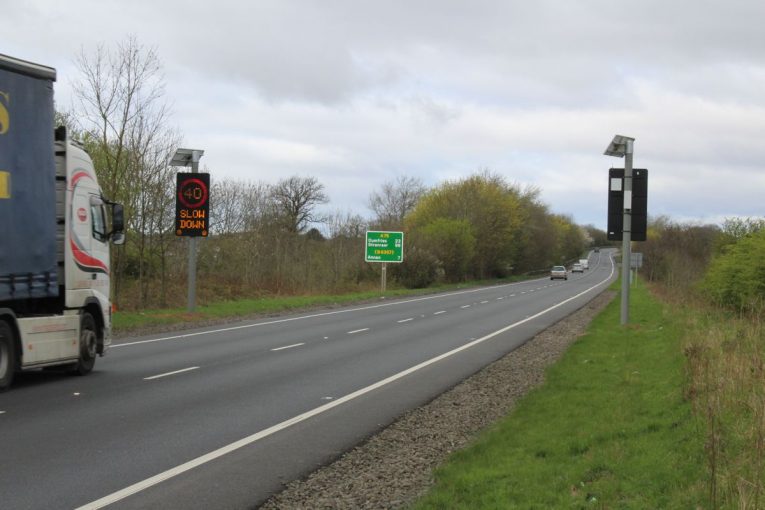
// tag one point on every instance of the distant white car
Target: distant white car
(577, 268)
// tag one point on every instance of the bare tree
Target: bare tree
(395, 200)
(229, 212)
(123, 120)
(295, 199)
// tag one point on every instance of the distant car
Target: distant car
(558, 272)
(597, 250)
(577, 268)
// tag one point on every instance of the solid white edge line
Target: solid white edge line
(170, 473)
(322, 314)
(288, 347)
(169, 373)
(357, 331)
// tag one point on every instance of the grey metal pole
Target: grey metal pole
(383, 277)
(193, 248)
(627, 234)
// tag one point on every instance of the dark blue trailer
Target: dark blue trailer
(28, 257)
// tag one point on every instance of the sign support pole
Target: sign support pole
(627, 234)
(383, 277)
(192, 294)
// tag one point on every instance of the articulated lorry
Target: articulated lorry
(55, 231)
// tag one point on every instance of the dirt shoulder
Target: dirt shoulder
(394, 468)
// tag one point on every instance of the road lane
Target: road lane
(137, 429)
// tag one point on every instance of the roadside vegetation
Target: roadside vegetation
(668, 412)
(610, 428)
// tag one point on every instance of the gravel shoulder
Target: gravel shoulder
(394, 468)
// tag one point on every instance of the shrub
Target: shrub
(418, 270)
(736, 277)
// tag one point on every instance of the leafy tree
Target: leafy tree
(736, 278)
(452, 243)
(490, 206)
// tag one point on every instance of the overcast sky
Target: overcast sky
(358, 92)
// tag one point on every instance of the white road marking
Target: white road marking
(406, 320)
(288, 346)
(484, 302)
(439, 312)
(2, 412)
(358, 331)
(500, 298)
(465, 306)
(169, 373)
(326, 338)
(220, 452)
(512, 295)
(312, 316)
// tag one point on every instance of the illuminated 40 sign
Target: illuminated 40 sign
(192, 204)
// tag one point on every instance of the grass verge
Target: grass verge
(610, 428)
(127, 321)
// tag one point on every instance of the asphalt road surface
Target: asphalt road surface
(222, 417)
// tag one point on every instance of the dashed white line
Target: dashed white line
(288, 346)
(484, 302)
(358, 331)
(465, 306)
(439, 312)
(311, 316)
(170, 373)
(512, 295)
(500, 298)
(406, 320)
(257, 436)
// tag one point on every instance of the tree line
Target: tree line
(278, 238)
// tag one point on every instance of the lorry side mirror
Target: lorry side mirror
(118, 224)
(118, 218)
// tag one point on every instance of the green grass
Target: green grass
(608, 429)
(124, 322)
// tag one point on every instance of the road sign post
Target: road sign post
(192, 209)
(623, 147)
(384, 247)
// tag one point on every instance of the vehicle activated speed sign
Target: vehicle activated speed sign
(192, 204)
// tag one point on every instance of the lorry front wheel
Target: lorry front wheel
(88, 345)
(7, 355)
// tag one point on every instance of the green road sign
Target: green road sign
(385, 247)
